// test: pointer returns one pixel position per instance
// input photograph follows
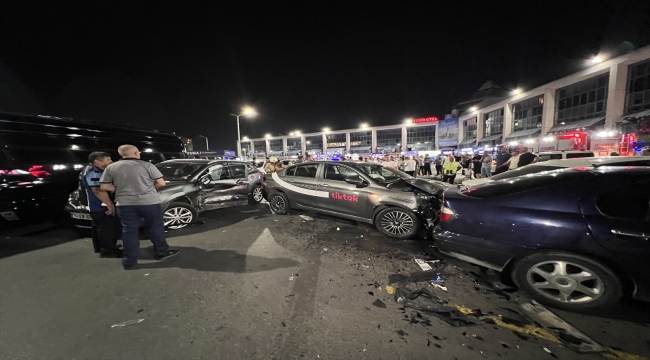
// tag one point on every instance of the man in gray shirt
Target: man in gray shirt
(135, 182)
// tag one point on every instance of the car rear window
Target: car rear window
(547, 157)
(579, 155)
(526, 183)
(525, 170)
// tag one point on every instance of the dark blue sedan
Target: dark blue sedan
(574, 238)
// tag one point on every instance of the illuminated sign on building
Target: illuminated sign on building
(426, 119)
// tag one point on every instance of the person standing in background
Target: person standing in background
(426, 168)
(438, 165)
(476, 162)
(410, 166)
(486, 165)
(450, 169)
(527, 158)
(502, 158)
(135, 183)
(106, 224)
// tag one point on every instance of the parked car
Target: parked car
(398, 204)
(562, 164)
(573, 238)
(194, 186)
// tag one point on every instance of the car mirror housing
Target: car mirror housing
(356, 180)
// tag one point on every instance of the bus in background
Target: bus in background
(41, 156)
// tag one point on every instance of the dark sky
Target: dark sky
(304, 65)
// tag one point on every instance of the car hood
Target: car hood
(432, 187)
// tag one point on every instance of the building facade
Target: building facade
(602, 98)
(418, 135)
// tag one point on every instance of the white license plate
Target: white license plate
(80, 216)
(9, 216)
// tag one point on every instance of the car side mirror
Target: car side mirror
(356, 180)
(204, 181)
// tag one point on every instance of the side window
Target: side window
(291, 171)
(631, 201)
(308, 170)
(338, 173)
(215, 172)
(250, 168)
(237, 171)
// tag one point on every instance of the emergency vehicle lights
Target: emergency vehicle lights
(606, 133)
(59, 167)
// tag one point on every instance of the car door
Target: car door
(239, 173)
(219, 189)
(343, 198)
(300, 184)
(619, 215)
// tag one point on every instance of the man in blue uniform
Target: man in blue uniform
(106, 224)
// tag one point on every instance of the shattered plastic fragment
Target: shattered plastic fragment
(305, 217)
(437, 279)
(390, 290)
(338, 229)
(380, 304)
(126, 323)
(443, 288)
(290, 278)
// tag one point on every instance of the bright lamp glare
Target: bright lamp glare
(245, 138)
(249, 111)
(74, 147)
(148, 150)
(364, 125)
(514, 143)
(596, 60)
(267, 135)
(326, 129)
(516, 91)
(472, 109)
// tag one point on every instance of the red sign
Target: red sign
(426, 119)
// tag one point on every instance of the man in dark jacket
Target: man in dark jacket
(502, 158)
(106, 224)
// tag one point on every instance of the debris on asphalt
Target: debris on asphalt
(425, 301)
(290, 278)
(390, 289)
(570, 336)
(126, 323)
(435, 285)
(505, 345)
(437, 279)
(139, 311)
(423, 264)
(550, 352)
(371, 293)
(338, 229)
(380, 304)
(147, 274)
(305, 217)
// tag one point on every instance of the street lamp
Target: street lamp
(516, 91)
(596, 60)
(326, 129)
(364, 125)
(245, 138)
(207, 146)
(248, 112)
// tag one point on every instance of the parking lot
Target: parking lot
(251, 284)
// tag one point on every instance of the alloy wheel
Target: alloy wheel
(277, 203)
(397, 223)
(177, 217)
(565, 281)
(257, 194)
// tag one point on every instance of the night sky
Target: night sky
(184, 68)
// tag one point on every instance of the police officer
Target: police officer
(106, 224)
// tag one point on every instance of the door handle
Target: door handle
(290, 181)
(628, 233)
(242, 182)
(324, 185)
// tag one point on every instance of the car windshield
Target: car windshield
(381, 174)
(176, 171)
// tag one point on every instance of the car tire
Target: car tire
(567, 281)
(278, 203)
(257, 195)
(397, 223)
(179, 215)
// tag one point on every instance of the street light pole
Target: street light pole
(249, 112)
(207, 145)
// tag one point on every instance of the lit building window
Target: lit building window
(419, 138)
(638, 87)
(388, 140)
(493, 122)
(527, 114)
(469, 128)
(260, 148)
(581, 101)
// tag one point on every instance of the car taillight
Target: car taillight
(467, 191)
(446, 214)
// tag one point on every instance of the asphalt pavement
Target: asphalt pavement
(255, 285)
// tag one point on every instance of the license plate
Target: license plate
(9, 216)
(81, 216)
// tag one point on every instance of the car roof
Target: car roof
(591, 161)
(564, 151)
(626, 169)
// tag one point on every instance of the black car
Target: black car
(574, 238)
(194, 186)
(397, 203)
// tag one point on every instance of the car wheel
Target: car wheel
(567, 281)
(179, 215)
(256, 196)
(397, 223)
(279, 203)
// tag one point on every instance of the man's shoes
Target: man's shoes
(166, 254)
(117, 253)
(130, 267)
